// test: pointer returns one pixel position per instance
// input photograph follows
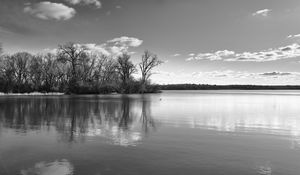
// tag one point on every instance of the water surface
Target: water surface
(175, 132)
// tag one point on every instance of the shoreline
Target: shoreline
(62, 94)
(33, 94)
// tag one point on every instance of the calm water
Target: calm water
(176, 132)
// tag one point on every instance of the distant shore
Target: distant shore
(226, 87)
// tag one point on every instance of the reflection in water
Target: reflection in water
(148, 122)
(264, 170)
(63, 167)
(256, 113)
(123, 121)
(256, 134)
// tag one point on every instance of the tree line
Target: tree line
(226, 87)
(75, 69)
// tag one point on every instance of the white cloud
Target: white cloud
(96, 48)
(227, 77)
(277, 73)
(113, 47)
(120, 45)
(176, 55)
(290, 51)
(243, 74)
(264, 12)
(96, 3)
(294, 36)
(48, 10)
(126, 41)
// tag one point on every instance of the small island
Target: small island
(74, 69)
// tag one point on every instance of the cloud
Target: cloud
(245, 74)
(264, 12)
(96, 3)
(176, 55)
(290, 51)
(294, 36)
(96, 48)
(277, 74)
(120, 45)
(227, 77)
(114, 47)
(48, 10)
(126, 41)
(222, 74)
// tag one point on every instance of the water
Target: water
(175, 132)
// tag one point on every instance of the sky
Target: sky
(200, 41)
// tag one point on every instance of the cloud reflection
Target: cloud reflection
(61, 167)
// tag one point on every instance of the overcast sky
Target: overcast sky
(201, 41)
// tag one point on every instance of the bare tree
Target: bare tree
(51, 73)
(72, 53)
(125, 70)
(7, 70)
(21, 60)
(105, 70)
(36, 71)
(87, 68)
(149, 61)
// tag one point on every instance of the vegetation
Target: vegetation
(149, 61)
(75, 69)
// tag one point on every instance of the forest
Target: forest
(74, 69)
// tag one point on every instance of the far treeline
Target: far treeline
(75, 70)
(225, 87)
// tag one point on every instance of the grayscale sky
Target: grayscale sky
(201, 41)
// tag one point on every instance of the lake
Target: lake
(174, 132)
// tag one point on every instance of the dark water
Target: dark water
(176, 132)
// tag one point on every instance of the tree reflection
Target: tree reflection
(122, 120)
(125, 118)
(146, 117)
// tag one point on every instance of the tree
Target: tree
(36, 72)
(87, 68)
(21, 64)
(51, 73)
(125, 69)
(149, 61)
(72, 53)
(105, 72)
(7, 67)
